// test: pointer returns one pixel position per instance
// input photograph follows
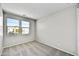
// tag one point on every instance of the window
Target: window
(25, 27)
(12, 26)
(17, 26)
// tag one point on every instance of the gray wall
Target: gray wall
(1, 29)
(59, 30)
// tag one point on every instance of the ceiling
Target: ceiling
(34, 10)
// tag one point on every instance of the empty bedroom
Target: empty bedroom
(39, 29)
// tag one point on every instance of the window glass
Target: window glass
(25, 27)
(24, 24)
(13, 30)
(15, 27)
(25, 30)
(12, 26)
(12, 22)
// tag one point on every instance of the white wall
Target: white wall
(19, 39)
(59, 30)
(1, 29)
(78, 30)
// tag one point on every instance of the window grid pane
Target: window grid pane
(25, 27)
(13, 30)
(12, 22)
(25, 24)
(25, 30)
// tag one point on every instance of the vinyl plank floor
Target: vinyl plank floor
(33, 49)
